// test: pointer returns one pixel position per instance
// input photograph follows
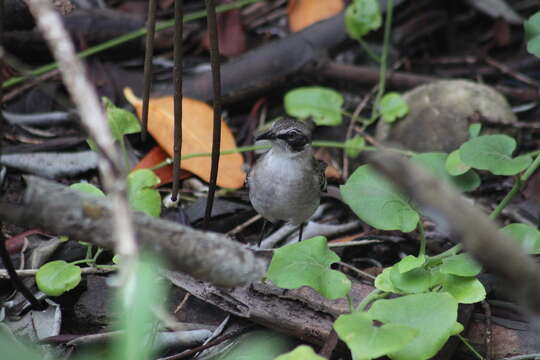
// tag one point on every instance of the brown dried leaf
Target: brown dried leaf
(197, 123)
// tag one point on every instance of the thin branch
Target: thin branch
(93, 119)
(216, 82)
(149, 53)
(15, 280)
(177, 75)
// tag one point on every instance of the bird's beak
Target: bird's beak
(267, 135)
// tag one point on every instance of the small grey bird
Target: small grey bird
(286, 182)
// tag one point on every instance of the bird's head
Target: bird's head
(288, 134)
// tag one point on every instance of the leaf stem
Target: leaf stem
(332, 144)
(450, 252)
(98, 252)
(368, 51)
(422, 232)
(371, 297)
(384, 56)
(518, 184)
(82, 261)
(471, 348)
(350, 302)
(124, 38)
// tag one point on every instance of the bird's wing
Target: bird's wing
(320, 167)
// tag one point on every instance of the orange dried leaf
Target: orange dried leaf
(197, 123)
(303, 13)
(154, 157)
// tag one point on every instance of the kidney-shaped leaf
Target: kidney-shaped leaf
(354, 146)
(454, 165)
(393, 106)
(413, 281)
(524, 235)
(435, 163)
(433, 315)
(461, 265)
(302, 352)
(323, 104)
(384, 283)
(141, 193)
(466, 290)
(121, 121)
(493, 153)
(532, 32)
(197, 124)
(87, 189)
(56, 277)
(410, 262)
(308, 264)
(361, 17)
(377, 202)
(367, 341)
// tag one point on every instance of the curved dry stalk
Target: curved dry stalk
(93, 119)
(216, 81)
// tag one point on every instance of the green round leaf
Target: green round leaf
(533, 46)
(141, 193)
(308, 264)
(383, 282)
(461, 265)
(466, 290)
(436, 276)
(377, 202)
(434, 315)
(302, 352)
(435, 163)
(393, 106)
(122, 122)
(532, 26)
(361, 17)
(454, 165)
(87, 189)
(493, 153)
(322, 104)
(532, 32)
(354, 146)
(525, 236)
(367, 341)
(410, 262)
(474, 130)
(413, 281)
(56, 277)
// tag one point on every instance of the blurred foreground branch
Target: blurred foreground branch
(204, 255)
(498, 254)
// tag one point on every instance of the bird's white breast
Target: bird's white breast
(282, 186)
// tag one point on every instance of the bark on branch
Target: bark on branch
(204, 255)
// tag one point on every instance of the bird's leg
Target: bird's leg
(300, 231)
(263, 230)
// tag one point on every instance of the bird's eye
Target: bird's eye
(295, 139)
(293, 135)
